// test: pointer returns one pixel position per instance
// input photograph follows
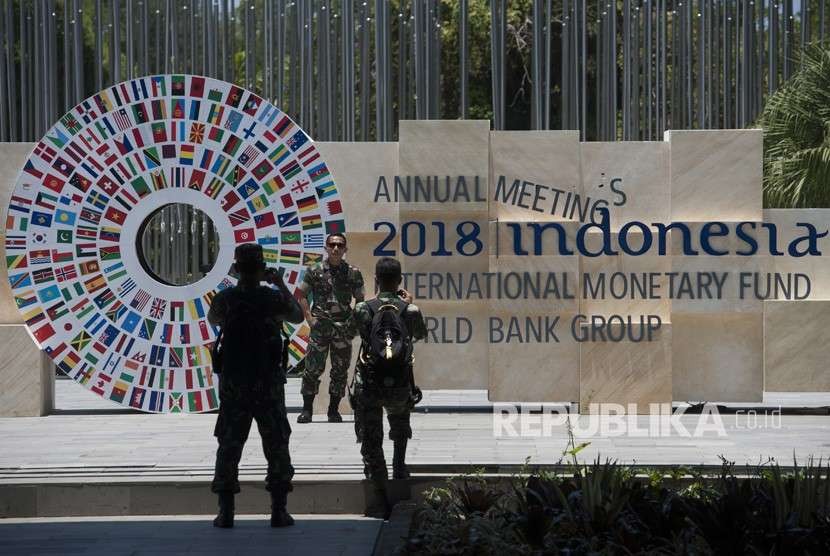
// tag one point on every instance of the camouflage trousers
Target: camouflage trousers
(325, 337)
(370, 403)
(239, 405)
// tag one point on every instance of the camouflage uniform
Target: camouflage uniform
(246, 395)
(332, 289)
(371, 399)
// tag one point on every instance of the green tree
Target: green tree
(796, 122)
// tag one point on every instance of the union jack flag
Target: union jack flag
(157, 308)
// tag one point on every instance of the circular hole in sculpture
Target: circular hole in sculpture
(177, 244)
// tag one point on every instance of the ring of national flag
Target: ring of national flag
(102, 162)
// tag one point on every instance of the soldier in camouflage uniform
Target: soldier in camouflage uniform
(251, 382)
(332, 285)
(370, 398)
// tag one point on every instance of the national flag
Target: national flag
(122, 120)
(85, 250)
(44, 152)
(258, 203)
(283, 126)
(64, 236)
(244, 236)
(86, 232)
(334, 207)
(16, 261)
(30, 169)
(290, 238)
(197, 86)
(177, 85)
(248, 188)
(232, 145)
(80, 341)
(229, 200)
(126, 287)
(104, 298)
(61, 257)
(186, 155)
(264, 220)
(220, 165)
(307, 203)
(234, 96)
(197, 132)
(290, 257)
(114, 313)
(168, 151)
(90, 215)
(239, 217)
(95, 283)
(110, 253)
(119, 390)
(248, 156)
(251, 104)
(115, 271)
(66, 273)
(177, 109)
(15, 242)
(312, 258)
(59, 139)
(197, 179)
(115, 215)
(32, 316)
(41, 219)
(327, 189)
(140, 113)
(57, 311)
(270, 255)
(335, 227)
(131, 321)
(159, 109)
(43, 333)
(80, 182)
(290, 170)
(89, 267)
(233, 120)
(110, 234)
(40, 256)
(235, 175)
(297, 140)
(262, 169)
(279, 154)
(214, 187)
(318, 172)
(147, 329)
(97, 199)
(184, 333)
(311, 221)
(215, 117)
(25, 299)
(48, 294)
(43, 275)
(137, 397)
(313, 241)
(140, 300)
(287, 219)
(157, 308)
(65, 218)
(22, 280)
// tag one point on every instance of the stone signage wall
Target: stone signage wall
(724, 347)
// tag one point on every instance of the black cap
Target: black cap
(249, 253)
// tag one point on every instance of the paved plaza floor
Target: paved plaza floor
(332, 535)
(79, 441)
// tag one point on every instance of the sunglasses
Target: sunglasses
(334, 245)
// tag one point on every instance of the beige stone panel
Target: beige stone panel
(446, 148)
(441, 362)
(817, 268)
(27, 381)
(642, 169)
(626, 371)
(544, 163)
(633, 284)
(796, 336)
(356, 168)
(432, 222)
(528, 365)
(715, 174)
(12, 158)
(551, 284)
(697, 268)
(361, 254)
(717, 357)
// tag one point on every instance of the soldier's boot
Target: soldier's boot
(308, 409)
(224, 518)
(334, 410)
(378, 504)
(279, 498)
(399, 469)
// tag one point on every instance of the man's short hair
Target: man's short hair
(337, 234)
(388, 269)
(249, 258)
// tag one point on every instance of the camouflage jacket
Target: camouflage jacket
(332, 290)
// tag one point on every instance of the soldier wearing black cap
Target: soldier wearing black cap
(252, 380)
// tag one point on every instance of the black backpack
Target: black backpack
(388, 343)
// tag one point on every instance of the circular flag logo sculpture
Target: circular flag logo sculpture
(108, 166)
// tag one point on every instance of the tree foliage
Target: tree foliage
(796, 122)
